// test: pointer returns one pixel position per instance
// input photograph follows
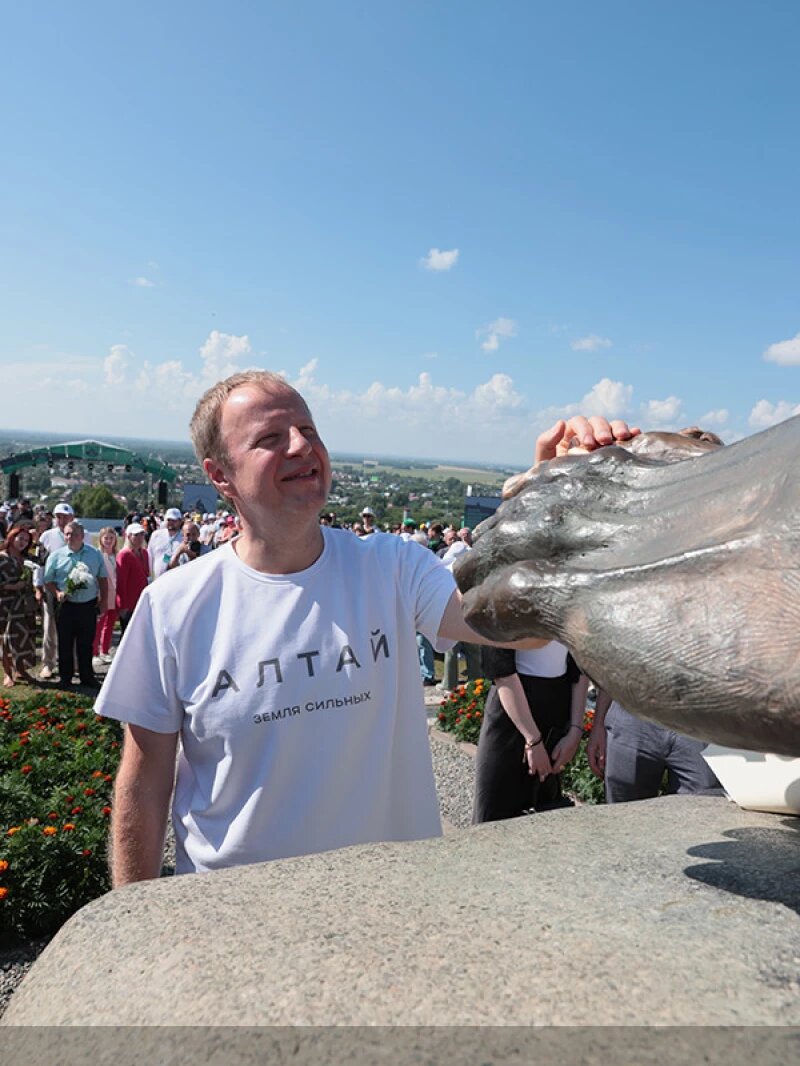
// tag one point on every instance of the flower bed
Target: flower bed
(462, 715)
(57, 761)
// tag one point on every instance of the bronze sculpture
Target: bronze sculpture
(676, 585)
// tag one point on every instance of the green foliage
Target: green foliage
(97, 501)
(462, 714)
(57, 761)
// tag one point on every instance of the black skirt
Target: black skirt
(503, 786)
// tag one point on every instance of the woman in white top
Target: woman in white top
(107, 544)
(532, 726)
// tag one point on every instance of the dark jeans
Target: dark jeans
(76, 627)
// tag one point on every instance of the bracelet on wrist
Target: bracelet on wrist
(532, 743)
(578, 727)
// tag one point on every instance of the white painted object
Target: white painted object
(757, 781)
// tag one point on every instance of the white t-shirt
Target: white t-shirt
(548, 661)
(161, 548)
(298, 698)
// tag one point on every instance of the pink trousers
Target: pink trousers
(104, 632)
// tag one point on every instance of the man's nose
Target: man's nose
(298, 443)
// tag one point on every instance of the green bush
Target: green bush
(57, 763)
(462, 714)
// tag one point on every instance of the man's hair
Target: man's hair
(205, 426)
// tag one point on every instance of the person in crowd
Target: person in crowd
(149, 524)
(75, 576)
(133, 573)
(163, 543)
(459, 543)
(50, 541)
(635, 758)
(17, 604)
(107, 545)
(190, 547)
(435, 536)
(290, 647)
(408, 529)
(449, 538)
(532, 726)
(368, 522)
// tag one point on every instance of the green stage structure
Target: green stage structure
(93, 453)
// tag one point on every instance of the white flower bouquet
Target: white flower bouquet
(80, 577)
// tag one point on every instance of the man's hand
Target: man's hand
(582, 434)
(538, 761)
(564, 751)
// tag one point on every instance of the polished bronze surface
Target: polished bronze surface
(676, 585)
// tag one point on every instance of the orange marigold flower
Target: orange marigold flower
(67, 827)
(97, 773)
(3, 893)
(26, 769)
(59, 725)
(3, 865)
(14, 829)
(49, 830)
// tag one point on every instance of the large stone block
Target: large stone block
(677, 911)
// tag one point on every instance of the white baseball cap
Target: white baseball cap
(134, 528)
(63, 508)
(173, 513)
(369, 511)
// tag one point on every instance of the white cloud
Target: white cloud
(220, 355)
(143, 283)
(501, 327)
(766, 414)
(612, 399)
(436, 260)
(661, 413)
(784, 353)
(591, 343)
(116, 363)
(715, 418)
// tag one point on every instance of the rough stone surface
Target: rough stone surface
(676, 911)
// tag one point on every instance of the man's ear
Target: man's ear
(218, 478)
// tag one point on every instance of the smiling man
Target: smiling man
(286, 661)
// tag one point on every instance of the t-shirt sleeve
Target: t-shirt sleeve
(141, 685)
(429, 586)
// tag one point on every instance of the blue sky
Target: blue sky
(449, 223)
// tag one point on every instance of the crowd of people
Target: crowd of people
(71, 594)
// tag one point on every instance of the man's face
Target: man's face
(277, 466)
(450, 537)
(173, 525)
(62, 520)
(191, 531)
(74, 537)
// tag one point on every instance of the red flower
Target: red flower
(68, 827)
(86, 852)
(106, 811)
(76, 810)
(88, 792)
(26, 769)
(53, 814)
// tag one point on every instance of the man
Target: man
(165, 541)
(286, 660)
(78, 598)
(190, 546)
(50, 541)
(408, 530)
(368, 522)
